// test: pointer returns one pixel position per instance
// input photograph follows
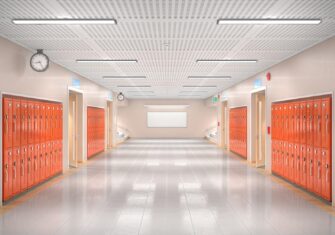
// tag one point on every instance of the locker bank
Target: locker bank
(167, 117)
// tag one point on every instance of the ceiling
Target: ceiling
(167, 37)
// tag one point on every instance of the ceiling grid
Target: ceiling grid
(167, 37)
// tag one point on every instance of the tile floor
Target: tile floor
(172, 187)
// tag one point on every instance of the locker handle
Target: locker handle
(6, 172)
(14, 123)
(327, 171)
(319, 170)
(35, 164)
(14, 170)
(22, 168)
(6, 119)
(327, 123)
(311, 168)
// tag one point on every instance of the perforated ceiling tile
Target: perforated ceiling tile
(167, 37)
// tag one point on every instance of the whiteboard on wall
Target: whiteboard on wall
(167, 119)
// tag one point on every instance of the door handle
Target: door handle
(14, 170)
(22, 168)
(6, 172)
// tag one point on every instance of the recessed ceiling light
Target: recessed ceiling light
(140, 86)
(123, 77)
(193, 92)
(187, 86)
(269, 21)
(106, 61)
(63, 21)
(140, 92)
(227, 61)
(210, 77)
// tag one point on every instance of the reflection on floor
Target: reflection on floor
(172, 187)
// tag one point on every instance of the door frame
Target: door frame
(255, 127)
(224, 129)
(79, 143)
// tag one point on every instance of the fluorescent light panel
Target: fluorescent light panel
(210, 77)
(140, 86)
(63, 21)
(140, 92)
(193, 92)
(106, 61)
(167, 106)
(187, 86)
(123, 77)
(268, 21)
(226, 61)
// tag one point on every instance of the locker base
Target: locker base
(236, 153)
(95, 154)
(304, 190)
(6, 202)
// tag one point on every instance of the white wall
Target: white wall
(309, 73)
(16, 77)
(134, 118)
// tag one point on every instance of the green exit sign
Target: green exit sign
(215, 99)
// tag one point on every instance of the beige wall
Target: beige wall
(134, 118)
(309, 73)
(16, 77)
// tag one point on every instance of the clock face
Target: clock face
(39, 62)
(120, 97)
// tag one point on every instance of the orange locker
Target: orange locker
(303, 166)
(286, 155)
(326, 123)
(36, 122)
(16, 122)
(47, 122)
(291, 162)
(303, 122)
(317, 173)
(309, 124)
(317, 113)
(36, 166)
(48, 160)
(7, 186)
(297, 122)
(310, 167)
(7, 135)
(31, 123)
(16, 171)
(30, 166)
(326, 175)
(296, 169)
(42, 122)
(24, 122)
(23, 170)
(280, 158)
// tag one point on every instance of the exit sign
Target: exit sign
(215, 99)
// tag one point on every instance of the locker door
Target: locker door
(297, 122)
(326, 173)
(42, 122)
(7, 123)
(31, 123)
(36, 164)
(286, 159)
(317, 175)
(273, 157)
(61, 121)
(16, 122)
(16, 171)
(310, 168)
(30, 165)
(285, 123)
(47, 122)
(303, 122)
(7, 175)
(303, 164)
(52, 122)
(23, 170)
(280, 122)
(24, 122)
(280, 158)
(43, 162)
(309, 124)
(326, 123)
(291, 122)
(297, 164)
(37, 123)
(317, 113)
(47, 160)
(291, 162)
(52, 158)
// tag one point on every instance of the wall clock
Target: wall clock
(39, 61)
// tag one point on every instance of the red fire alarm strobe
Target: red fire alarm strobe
(268, 76)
